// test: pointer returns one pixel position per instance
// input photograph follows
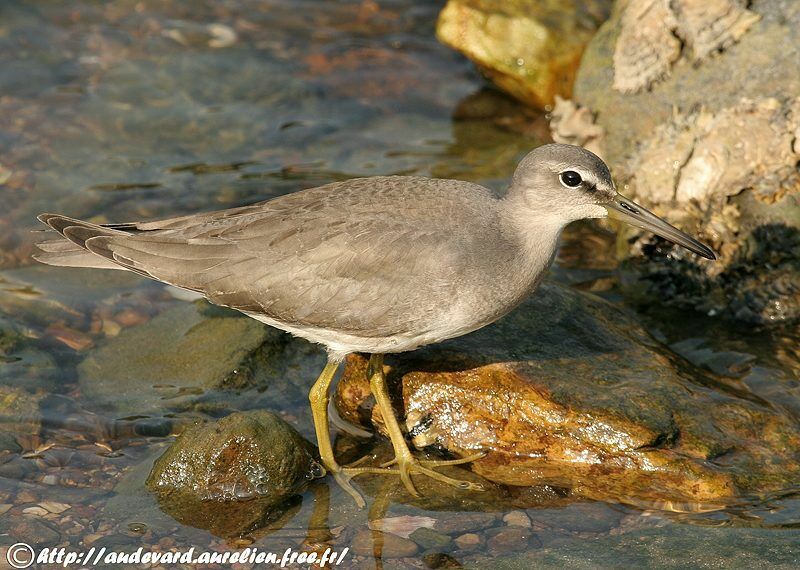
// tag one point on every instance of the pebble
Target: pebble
(430, 539)
(90, 539)
(440, 560)
(54, 507)
(506, 539)
(129, 318)
(517, 518)
(393, 546)
(35, 511)
(26, 497)
(468, 541)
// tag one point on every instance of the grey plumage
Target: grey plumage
(381, 264)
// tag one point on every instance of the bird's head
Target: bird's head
(570, 183)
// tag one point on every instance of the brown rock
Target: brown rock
(508, 539)
(19, 410)
(233, 475)
(517, 518)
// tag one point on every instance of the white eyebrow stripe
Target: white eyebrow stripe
(586, 175)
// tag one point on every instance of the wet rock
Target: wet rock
(430, 539)
(173, 360)
(367, 542)
(16, 467)
(233, 475)
(570, 391)
(402, 525)
(8, 445)
(509, 539)
(711, 147)
(529, 49)
(469, 541)
(21, 363)
(517, 518)
(440, 560)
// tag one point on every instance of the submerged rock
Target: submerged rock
(711, 147)
(530, 49)
(570, 391)
(19, 411)
(22, 364)
(672, 546)
(173, 360)
(234, 475)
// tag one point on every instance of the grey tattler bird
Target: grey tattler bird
(375, 265)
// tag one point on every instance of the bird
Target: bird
(374, 265)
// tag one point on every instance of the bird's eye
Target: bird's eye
(570, 178)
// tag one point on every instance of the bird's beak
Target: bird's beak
(632, 213)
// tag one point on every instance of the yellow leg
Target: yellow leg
(406, 463)
(318, 396)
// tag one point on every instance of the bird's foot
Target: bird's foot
(406, 465)
(342, 476)
(440, 462)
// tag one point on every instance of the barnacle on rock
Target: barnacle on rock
(646, 46)
(571, 124)
(707, 26)
(652, 32)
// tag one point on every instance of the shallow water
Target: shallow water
(133, 110)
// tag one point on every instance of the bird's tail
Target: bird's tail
(70, 250)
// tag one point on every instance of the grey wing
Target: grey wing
(345, 282)
(313, 259)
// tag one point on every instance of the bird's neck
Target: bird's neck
(536, 228)
(536, 233)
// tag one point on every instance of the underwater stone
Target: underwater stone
(173, 360)
(19, 410)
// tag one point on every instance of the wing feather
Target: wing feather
(363, 256)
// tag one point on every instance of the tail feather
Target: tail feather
(76, 258)
(72, 251)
